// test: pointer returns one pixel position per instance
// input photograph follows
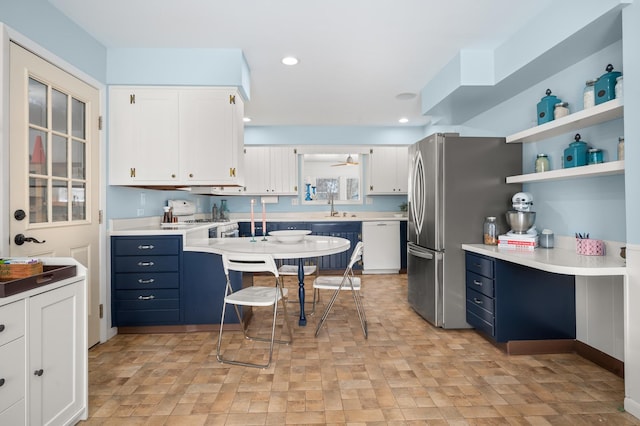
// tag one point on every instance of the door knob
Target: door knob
(20, 239)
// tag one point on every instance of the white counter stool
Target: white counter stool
(348, 281)
(256, 296)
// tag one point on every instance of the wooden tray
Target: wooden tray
(50, 274)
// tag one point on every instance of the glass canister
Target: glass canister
(618, 89)
(589, 94)
(561, 109)
(620, 148)
(542, 163)
(595, 156)
(490, 228)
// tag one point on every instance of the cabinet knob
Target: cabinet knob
(190, 175)
(1, 382)
(1, 328)
(38, 372)
(477, 301)
(173, 175)
(476, 282)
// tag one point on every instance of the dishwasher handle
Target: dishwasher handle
(418, 251)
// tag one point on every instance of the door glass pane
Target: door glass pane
(38, 200)
(59, 111)
(60, 195)
(37, 152)
(78, 205)
(78, 159)
(59, 163)
(37, 103)
(77, 119)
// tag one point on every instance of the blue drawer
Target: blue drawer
(480, 301)
(137, 246)
(479, 283)
(148, 317)
(146, 264)
(147, 299)
(480, 265)
(128, 281)
(480, 323)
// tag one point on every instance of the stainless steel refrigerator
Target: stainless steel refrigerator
(454, 183)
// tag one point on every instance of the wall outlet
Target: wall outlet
(369, 200)
(294, 201)
(143, 199)
(140, 212)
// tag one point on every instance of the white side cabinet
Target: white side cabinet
(388, 169)
(381, 253)
(178, 136)
(43, 354)
(271, 170)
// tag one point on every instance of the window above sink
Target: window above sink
(329, 174)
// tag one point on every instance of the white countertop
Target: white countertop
(560, 260)
(311, 246)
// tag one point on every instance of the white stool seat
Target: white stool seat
(255, 296)
(293, 269)
(332, 283)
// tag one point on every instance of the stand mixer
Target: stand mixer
(521, 220)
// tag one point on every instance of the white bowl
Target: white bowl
(289, 236)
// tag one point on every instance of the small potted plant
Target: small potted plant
(403, 208)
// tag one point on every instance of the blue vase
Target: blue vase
(307, 195)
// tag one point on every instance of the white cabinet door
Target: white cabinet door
(211, 136)
(143, 136)
(388, 170)
(381, 253)
(175, 136)
(271, 170)
(57, 367)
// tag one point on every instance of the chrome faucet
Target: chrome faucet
(333, 211)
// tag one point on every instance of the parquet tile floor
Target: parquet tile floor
(406, 373)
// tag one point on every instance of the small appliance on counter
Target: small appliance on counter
(577, 154)
(546, 107)
(605, 87)
(523, 234)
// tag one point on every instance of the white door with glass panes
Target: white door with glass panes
(54, 169)
(388, 169)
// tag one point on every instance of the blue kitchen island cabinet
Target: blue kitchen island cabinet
(204, 285)
(510, 302)
(145, 280)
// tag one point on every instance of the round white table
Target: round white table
(311, 246)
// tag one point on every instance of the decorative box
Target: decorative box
(12, 271)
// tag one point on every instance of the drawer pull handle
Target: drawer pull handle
(146, 297)
(149, 281)
(38, 372)
(476, 282)
(1, 328)
(477, 301)
(1, 382)
(146, 247)
(477, 265)
(145, 263)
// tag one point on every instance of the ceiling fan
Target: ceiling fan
(349, 162)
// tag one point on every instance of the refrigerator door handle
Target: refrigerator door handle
(414, 250)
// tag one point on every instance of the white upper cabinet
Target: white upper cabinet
(175, 136)
(388, 169)
(271, 170)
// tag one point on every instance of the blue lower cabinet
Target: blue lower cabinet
(204, 285)
(403, 244)
(145, 280)
(507, 301)
(352, 231)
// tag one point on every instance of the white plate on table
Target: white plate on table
(289, 236)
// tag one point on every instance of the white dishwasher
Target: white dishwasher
(381, 241)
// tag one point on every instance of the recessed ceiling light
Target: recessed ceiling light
(246, 119)
(289, 60)
(403, 120)
(405, 96)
